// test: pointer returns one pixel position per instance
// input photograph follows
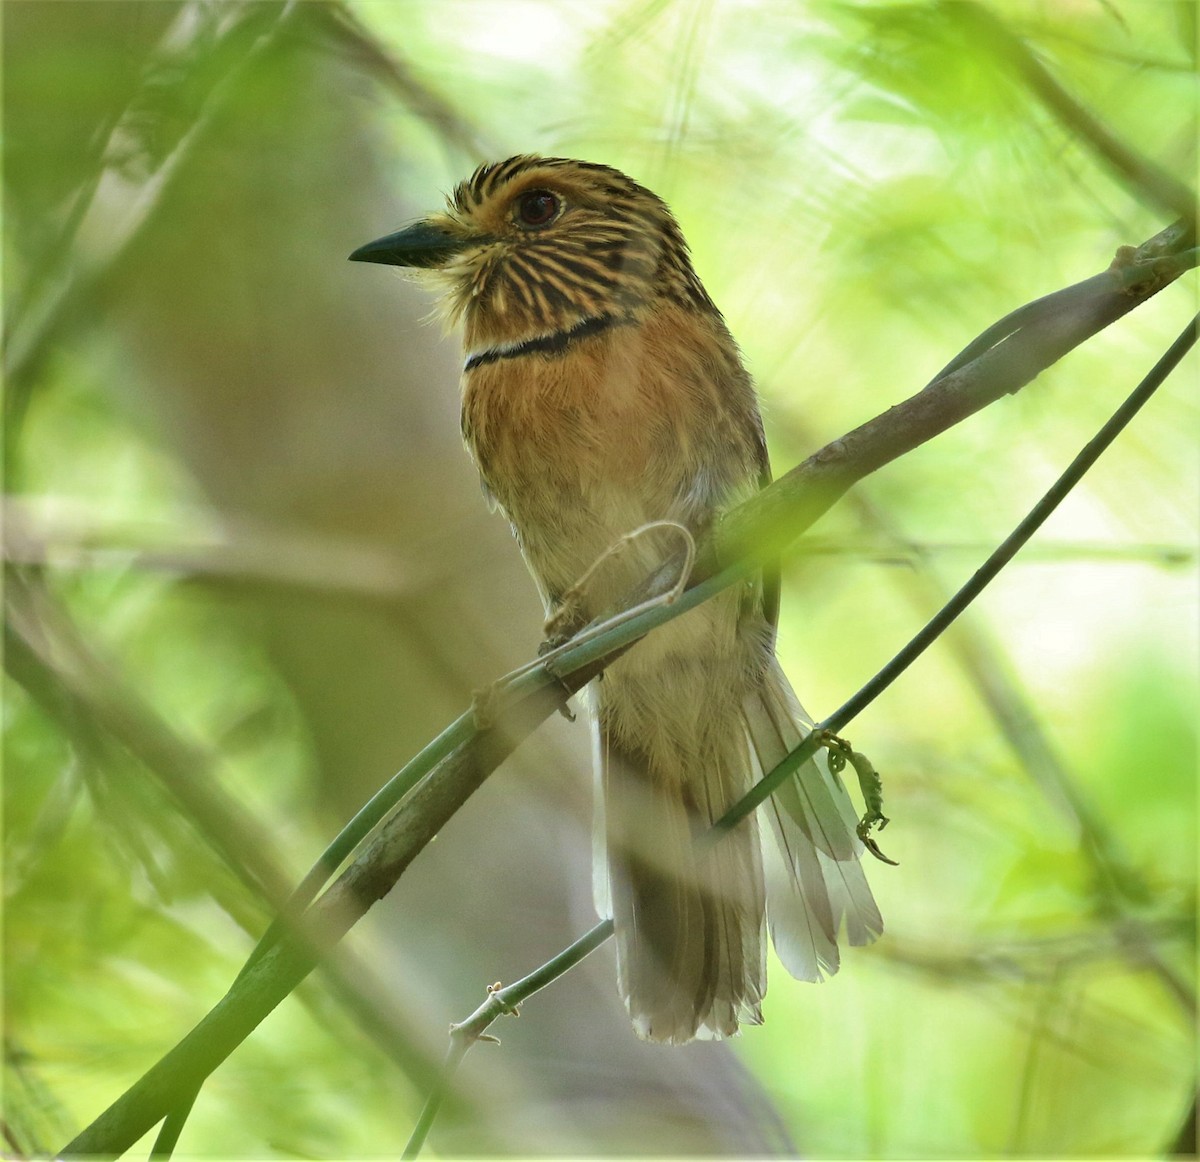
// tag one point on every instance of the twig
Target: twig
(44, 651)
(764, 526)
(433, 1103)
(500, 1001)
(458, 732)
(241, 552)
(41, 321)
(1149, 265)
(264, 556)
(46, 654)
(277, 972)
(372, 55)
(172, 1127)
(1028, 960)
(977, 655)
(1184, 1145)
(368, 817)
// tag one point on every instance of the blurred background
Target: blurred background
(250, 571)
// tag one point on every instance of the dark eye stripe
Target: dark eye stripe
(566, 291)
(543, 301)
(615, 258)
(572, 288)
(578, 268)
(565, 294)
(522, 278)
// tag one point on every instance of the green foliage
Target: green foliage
(233, 478)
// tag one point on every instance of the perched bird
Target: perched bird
(602, 392)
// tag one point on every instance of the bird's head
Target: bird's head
(534, 246)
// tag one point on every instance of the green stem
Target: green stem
(1004, 553)
(499, 1002)
(364, 822)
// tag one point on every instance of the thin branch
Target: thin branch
(263, 555)
(58, 293)
(238, 552)
(342, 26)
(433, 1103)
(1184, 1145)
(1004, 553)
(261, 987)
(501, 1001)
(172, 1127)
(45, 653)
(31, 334)
(1025, 959)
(368, 817)
(764, 526)
(1135, 60)
(1115, 879)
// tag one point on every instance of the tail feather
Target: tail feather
(853, 904)
(777, 724)
(799, 912)
(688, 917)
(601, 887)
(816, 886)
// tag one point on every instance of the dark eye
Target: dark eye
(536, 207)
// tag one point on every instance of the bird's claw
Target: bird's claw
(839, 750)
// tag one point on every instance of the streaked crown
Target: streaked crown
(534, 246)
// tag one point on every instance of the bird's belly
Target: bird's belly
(594, 535)
(581, 456)
(580, 499)
(577, 471)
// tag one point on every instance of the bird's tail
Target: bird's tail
(688, 915)
(816, 886)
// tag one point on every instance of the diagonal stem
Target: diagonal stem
(499, 1002)
(1004, 553)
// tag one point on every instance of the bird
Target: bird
(610, 415)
